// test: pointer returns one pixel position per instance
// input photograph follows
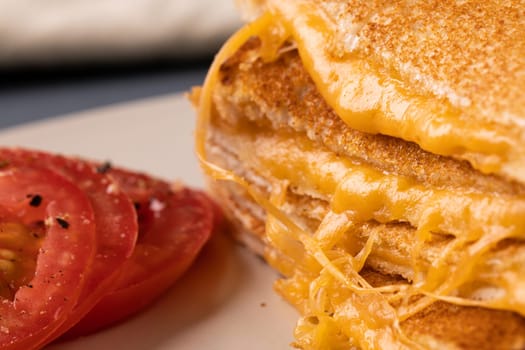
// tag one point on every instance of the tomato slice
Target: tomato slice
(113, 274)
(115, 220)
(47, 239)
(174, 224)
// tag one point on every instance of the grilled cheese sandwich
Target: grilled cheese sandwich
(360, 149)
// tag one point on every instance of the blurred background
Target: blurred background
(62, 56)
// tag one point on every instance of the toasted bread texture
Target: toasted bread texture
(440, 326)
(283, 95)
(374, 152)
(255, 98)
(426, 70)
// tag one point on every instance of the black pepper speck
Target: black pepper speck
(63, 223)
(36, 200)
(104, 168)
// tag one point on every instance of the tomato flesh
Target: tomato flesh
(174, 224)
(64, 255)
(81, 241)
(18, 252)
(115, 219)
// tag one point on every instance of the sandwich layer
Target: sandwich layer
(374, 177)
(423, 71)
(440, 326)
(377, 238)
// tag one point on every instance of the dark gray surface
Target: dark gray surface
(27, 102)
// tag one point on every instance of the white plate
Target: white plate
(226, 301)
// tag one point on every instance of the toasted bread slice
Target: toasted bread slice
(271, 126)
(422, 71)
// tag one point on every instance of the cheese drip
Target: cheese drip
(340, 308)
(373, 102)
(477, 221)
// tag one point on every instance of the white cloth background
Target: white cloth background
(50, 31)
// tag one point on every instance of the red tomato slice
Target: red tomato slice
(174, 224)
(47, 239)
(115, 219)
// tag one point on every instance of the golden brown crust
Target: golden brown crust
(462, 327)
(447, 75)
(476, 64)
(281, 93)
(471, 53)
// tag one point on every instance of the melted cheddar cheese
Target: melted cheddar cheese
(373, 102)
(340, 308)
